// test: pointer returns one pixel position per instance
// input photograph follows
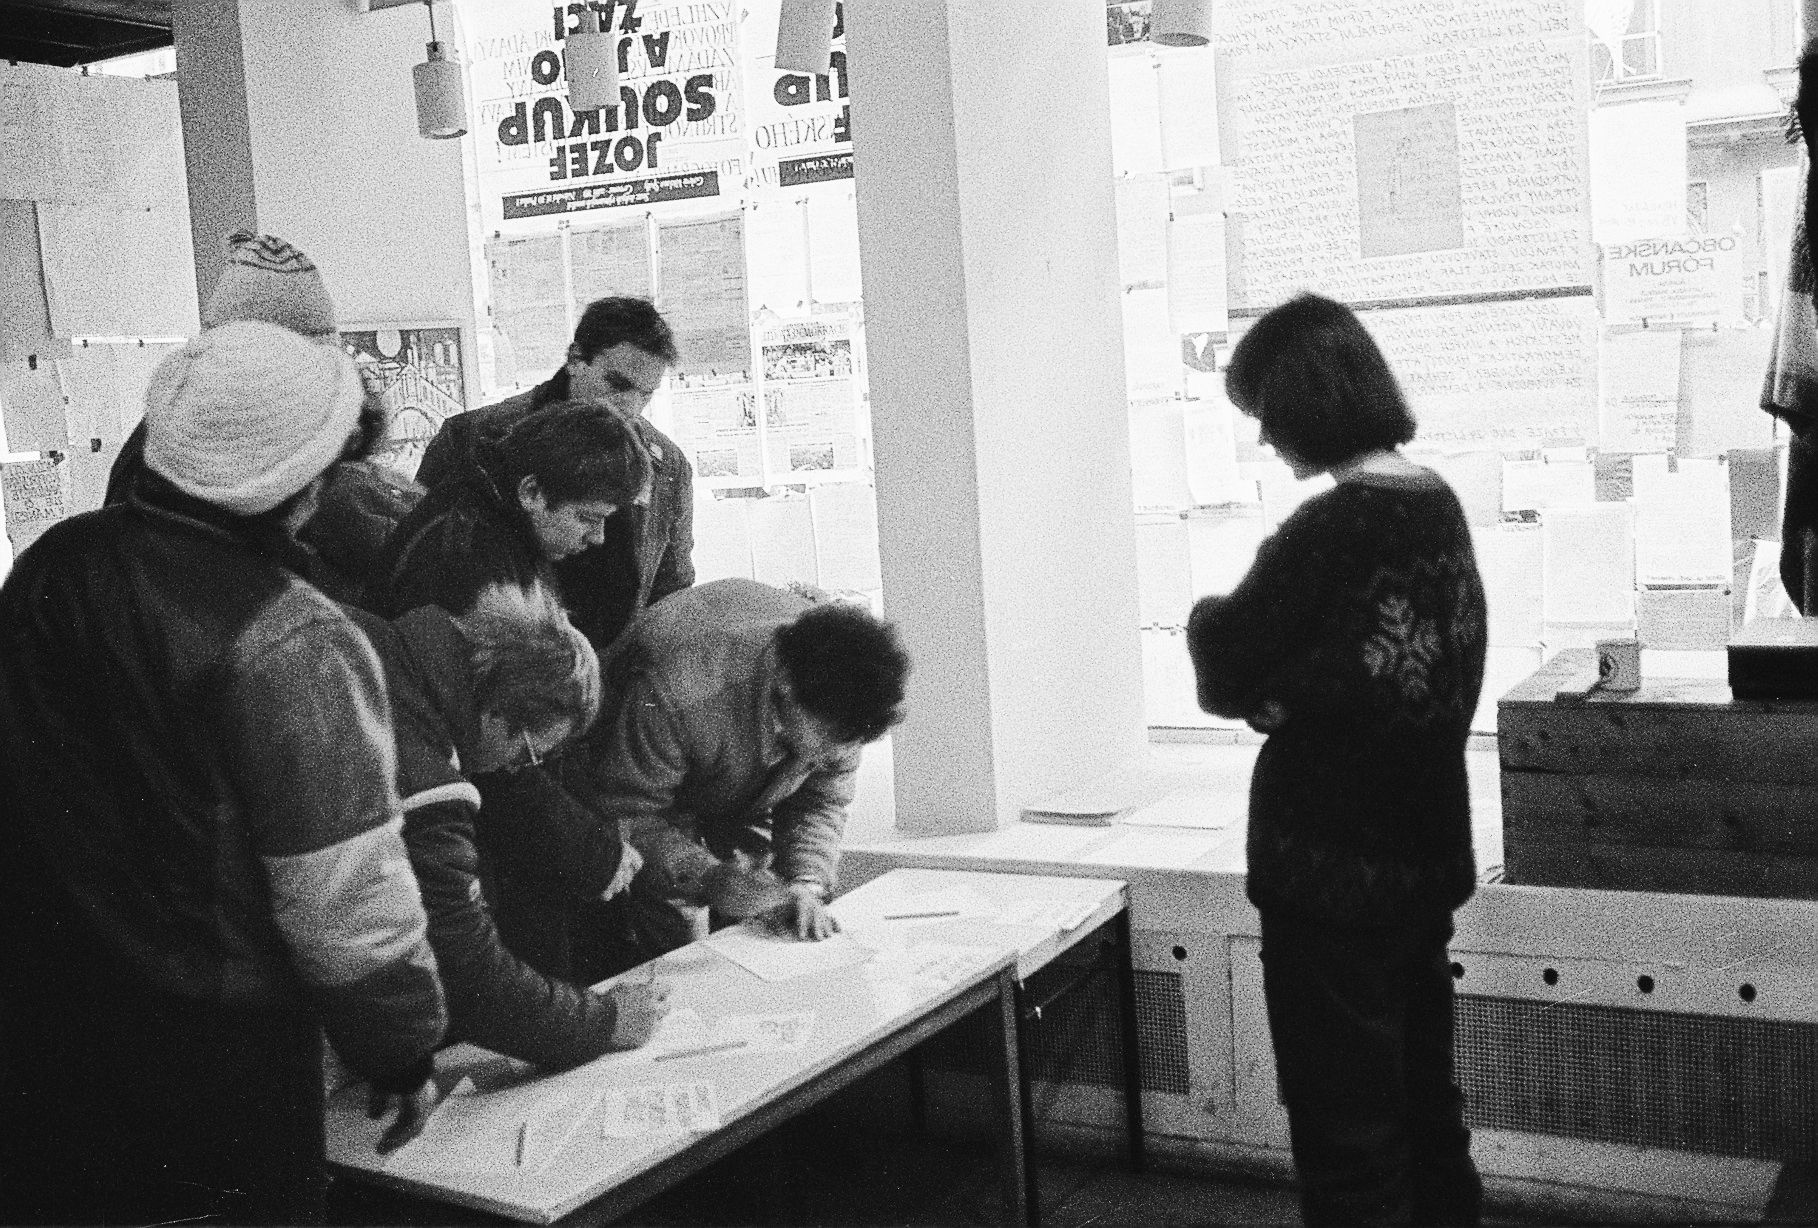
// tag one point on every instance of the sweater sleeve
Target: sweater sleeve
(810, 822)
(1285, 633)
(308, 727)
(641, 765)
(675, 571)
(495, 999)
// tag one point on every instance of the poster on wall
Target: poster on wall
(702, 292)
(799, 125)
(416, 372)
(678, 132)
(810, 396)
(1380, 168)
(717, 426)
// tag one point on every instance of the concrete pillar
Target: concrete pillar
(299, 120)
(988, 242)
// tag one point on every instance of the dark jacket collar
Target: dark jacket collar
(155, 497)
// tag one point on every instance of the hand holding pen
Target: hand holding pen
(641, 1004)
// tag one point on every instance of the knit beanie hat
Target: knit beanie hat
(246, 415)
(268, 279)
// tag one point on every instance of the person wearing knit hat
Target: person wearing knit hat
(265, 279)
(248, 414)
(201, 865)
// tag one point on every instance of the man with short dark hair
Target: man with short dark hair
(729, 749)
(621, 351)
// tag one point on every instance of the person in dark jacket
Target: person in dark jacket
(621, 351)
(541, 492)
(494, 689)
(1356, 642)
(201, 866)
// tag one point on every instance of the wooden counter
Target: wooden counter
(1675, 787)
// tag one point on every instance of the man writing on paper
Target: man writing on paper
(737, 716)
(494, 689)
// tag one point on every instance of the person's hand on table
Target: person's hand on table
(413, 1110)
(805, 914)
(630, 862)
(743, 887)
(641, 1005)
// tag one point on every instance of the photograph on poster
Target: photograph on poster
(1127, 21)
(416, 371)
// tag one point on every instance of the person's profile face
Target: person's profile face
(562, 529)
(621, 377)
(808, 735)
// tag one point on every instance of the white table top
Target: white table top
(586, 1131)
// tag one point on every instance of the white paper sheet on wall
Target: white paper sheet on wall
(31, 399)
(1188, 102)
(1638, 390)
(722, 539)
(1158, 455)
(1537, 485)
(1510, 558)
(1163, 579)
(1136, 136)
(782, 540)
(1151, 351)
(1683, 619)
(1682, 522)
(845, 536)
(609, 260)
(85, 248)
(833, 244)
(36, 495)
(776, 244)
(1142, 230)
(1638, 171)
(1588, 564)
(1222, 545)
(1212, 474)
(1196, 265)
(1168, 694)
(701, 290)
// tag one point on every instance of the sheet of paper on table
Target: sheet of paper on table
(672, 1108)
(516, 1129)
(781, 957)
(1203, 808)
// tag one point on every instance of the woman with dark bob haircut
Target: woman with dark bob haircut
(1356, 643)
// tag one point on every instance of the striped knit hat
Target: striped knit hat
(268, 279)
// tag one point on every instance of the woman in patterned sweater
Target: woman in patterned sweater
(1356, 642)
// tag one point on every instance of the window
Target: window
(1625, 39)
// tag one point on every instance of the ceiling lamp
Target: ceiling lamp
(441, 97)
(804, 36)
(590, 61)
(1181, 23)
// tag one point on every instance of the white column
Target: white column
(982, 146)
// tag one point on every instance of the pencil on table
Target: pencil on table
(917, 916)
(720, 1048)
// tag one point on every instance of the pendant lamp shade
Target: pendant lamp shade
(590, 59)
(441, 97)
(1181, 23)
(804, 36)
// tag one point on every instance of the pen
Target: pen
(523, 1131)
(731, 1044)
(916, 916)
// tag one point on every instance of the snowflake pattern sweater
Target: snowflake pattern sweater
(1363, 617)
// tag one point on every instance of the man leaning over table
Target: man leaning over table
(737, 717)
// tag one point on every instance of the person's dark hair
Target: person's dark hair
(847, 667)
(1311, 373)
(614, 321)
(531, 667)
(575, 452)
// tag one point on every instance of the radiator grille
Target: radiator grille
(1740, 1087)
(1077, 1039)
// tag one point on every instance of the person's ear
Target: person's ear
(530, 495)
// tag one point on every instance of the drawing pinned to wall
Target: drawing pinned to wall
(1409, 197)
(1127, 21)
(416, 372)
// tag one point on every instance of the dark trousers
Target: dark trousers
(126, 1107)
(1362, 1025)
(1799, 525)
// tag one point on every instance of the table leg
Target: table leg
(1010, 1082)
(1124, 952)
(918, 1090)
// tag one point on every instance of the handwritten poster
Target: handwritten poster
(1342, 148)
(37, 496)
(1638, 390)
